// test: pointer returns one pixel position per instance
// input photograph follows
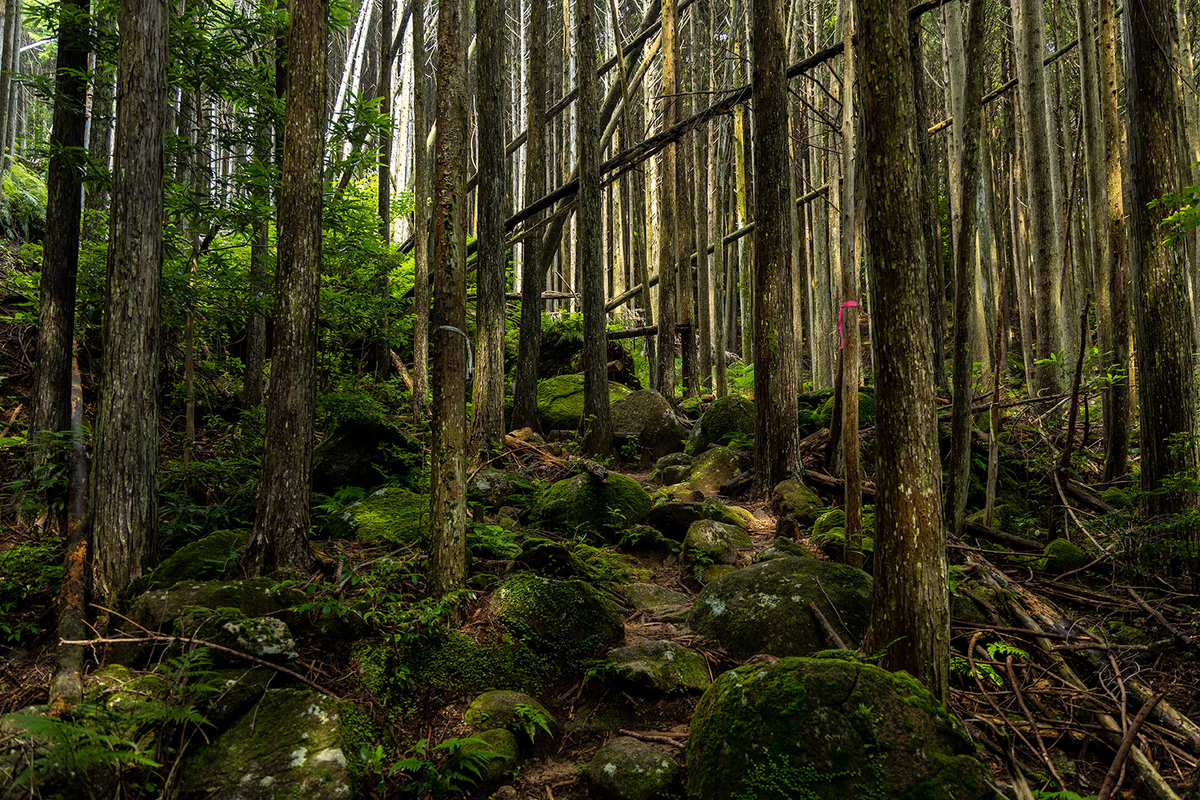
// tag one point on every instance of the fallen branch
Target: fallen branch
(1110, 780)
(1180, 637)
(656, 738)
(826, 628)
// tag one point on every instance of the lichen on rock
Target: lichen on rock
(566, 620)
(625, 768)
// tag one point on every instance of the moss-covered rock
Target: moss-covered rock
(290, 745)
(866, 410)
(728, 417)
(495, 488)
(672, 469)
(706, 574)
(625, 768)
(711, 542)
(267, 638)
(560, 401)
(208, 558)
(674, 518)
(367, 453)
(833, 518)
(832, 543)
(1063, 556)
(547, 557)
(505, 753)
(390, 516)
(783, 548)
(515, 711)
(646, 418)
(1122, 633)
(564, 620)
(661, 667)
(713, 468)
(651, 595)
(793, 500)
(255, 597)
(826, 729)
(764, 607)
(585, 504)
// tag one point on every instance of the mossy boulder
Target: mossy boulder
(728, 417)
(495, 488)
(673, 518)
(827, 729)
(504, 747)
(833, 518)
(255, 597)
(1063, 556)
(672, 468)
(501, 708)
(764, 608)
(711, 542)
(207, 558)
(651, 595)
(661, 667)
(832, 542)
(585, 504)
(625, 768)
(548, 557)
(290, 745)
(562, 619)
(390, 516)
(646, 418)
(783, 548)
(560, 401)
(267, 638)
(366, 453)
(866, 410)
(713, 468)
(792, 500)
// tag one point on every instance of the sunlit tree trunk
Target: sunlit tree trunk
(280, 536)
(124, 482)
(910, 616)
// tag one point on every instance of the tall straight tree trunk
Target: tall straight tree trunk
(9, 66)
(1028, 28)
(60, 263)
(100, 122)
(667, 221)
(448, 474)
(420, 218)
(776, 436)
(487, 400)
(928, 199)
(719, 169)
(525, 414)
(1111, 293)
(971, 112)
(702, 159)
(596, 426)
(260, 267)
(910, 615)
(280, 536)
(384, 92)
(1164, 316)
(124, 501)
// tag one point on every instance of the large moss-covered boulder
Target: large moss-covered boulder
(673, 518)
(646, 420)
(390, 516)
(560, 401)
(1064, 556)
(711, 542)
(792, 500)
(495, 488)
(208, 558)
(584, 503)
(268, 638)
(367, 453)
(728, 417)
(515, 711)
(651, 595)
(504, 753)
(625, 768)
(827, 729)
(713, 468)
(764, 608)
(866, 410)
(290, 745)
(661, 667)
(562, 619)
(158, 610)
(672, 468)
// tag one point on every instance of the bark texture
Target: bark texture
(124, 503)
(280, 536)
(420, 218)
(668, 256)
(910, 606)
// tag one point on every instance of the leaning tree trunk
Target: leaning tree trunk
(525, 413)
(447, 485)
(487, 400)
(596, 426)
(60, 263)
(280, 536)
(910, 615)
(124, 501)
(1160, 281)
(776, 436)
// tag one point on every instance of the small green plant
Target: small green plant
(631, 450)
(1065, 794)
(462, 769)
(527, 720)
